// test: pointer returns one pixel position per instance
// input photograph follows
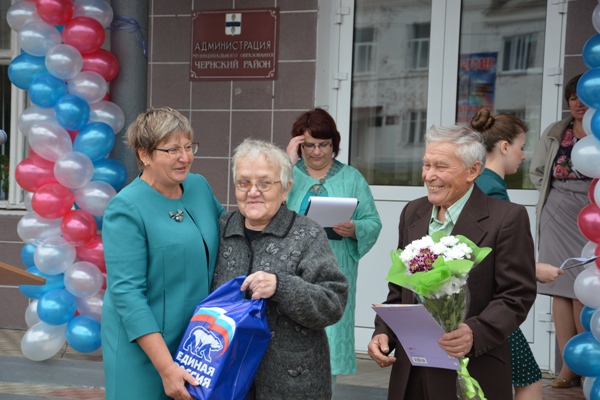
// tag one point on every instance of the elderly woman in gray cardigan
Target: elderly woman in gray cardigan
(287, 260)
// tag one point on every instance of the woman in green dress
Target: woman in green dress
(314, 145)
(161, 236)
(504, 137)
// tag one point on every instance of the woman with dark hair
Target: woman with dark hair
(313, 148)
(563, 193)
(504, 138)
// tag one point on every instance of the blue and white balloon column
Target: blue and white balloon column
(582, 352)
(70, 127)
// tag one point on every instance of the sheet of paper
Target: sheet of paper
(418, 333)
(330, 211)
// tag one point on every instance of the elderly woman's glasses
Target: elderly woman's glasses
(262, 185)
(311, 146)
(177, 151)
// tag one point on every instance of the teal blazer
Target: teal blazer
(158, 270)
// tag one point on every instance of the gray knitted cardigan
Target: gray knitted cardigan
(311, 294)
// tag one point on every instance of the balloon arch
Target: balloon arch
(70, 128)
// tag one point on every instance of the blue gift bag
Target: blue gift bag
(224, 343)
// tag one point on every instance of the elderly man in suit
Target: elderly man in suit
(502, 286)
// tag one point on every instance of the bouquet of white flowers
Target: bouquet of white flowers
(436, 268)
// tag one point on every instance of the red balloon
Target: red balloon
(103, 62)
(34, 172)
(78, 227)
(52, 201)
(72, 134)
(588, 221)
(84, 33)
(93, 252)
(104, 283)
(591, 190)
(55, 12)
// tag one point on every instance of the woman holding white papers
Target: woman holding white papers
(315, 144)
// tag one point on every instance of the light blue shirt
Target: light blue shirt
(452, 214)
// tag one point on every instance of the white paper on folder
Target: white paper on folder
(330, 211)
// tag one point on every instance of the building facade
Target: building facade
(385, 69)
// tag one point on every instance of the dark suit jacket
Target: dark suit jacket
(502, 287)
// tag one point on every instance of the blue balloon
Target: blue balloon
(95, 140)
(53, 282)
(582, 354)
(57, 307)
(591, 52)
(595, 124)
(83, 334)
(110, 171)
(595, 390)
(588, 88)
(72, 112)
(45, 90)
(586, 316)
(27, 255)
(98, 221)
(24, 68)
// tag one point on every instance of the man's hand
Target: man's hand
(379, 349)
(458, 342)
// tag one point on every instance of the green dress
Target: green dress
(158, 270)
(525, 369)
(342, 181)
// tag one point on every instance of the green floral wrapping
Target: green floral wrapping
(444, 292)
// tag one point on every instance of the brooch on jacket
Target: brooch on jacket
(177, 217)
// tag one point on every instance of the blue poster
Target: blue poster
(476, 84)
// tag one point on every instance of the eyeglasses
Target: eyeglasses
(177, 151)
(311, 146)
(263, 185)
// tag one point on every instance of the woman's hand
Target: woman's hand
(293, 147)
(174, 378)
(262, 285)
(346, 229)
(546, 273)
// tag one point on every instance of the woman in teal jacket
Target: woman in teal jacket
(160, 236)
(315, 144)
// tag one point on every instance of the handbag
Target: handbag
(224, 343)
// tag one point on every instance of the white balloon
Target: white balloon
(83, 279)
(587, 121)
(21, 13)
(31, 316)
(43, 341)
(588, 250)
(33, 115)
(596, 18)
(94, 197)
(73, 170)
(100, 10)
(54, 255)
(34, 229)
(37, 37)
(109, 113)
(585, 156)
(49, 140)
(64, 61)
(27, 200)
(88, 84)
(92, 305)
(587, 386)
(587, 287)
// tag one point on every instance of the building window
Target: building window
(392, 120)
(419, 44)
(519, 52)
(364, 51)
(416, 125)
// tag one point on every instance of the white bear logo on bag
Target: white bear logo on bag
(202, 342)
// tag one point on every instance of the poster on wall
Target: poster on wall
(476, 84)
(237, 44)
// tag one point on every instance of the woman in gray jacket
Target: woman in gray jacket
(288, 260)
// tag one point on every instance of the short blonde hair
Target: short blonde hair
(153, 126)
